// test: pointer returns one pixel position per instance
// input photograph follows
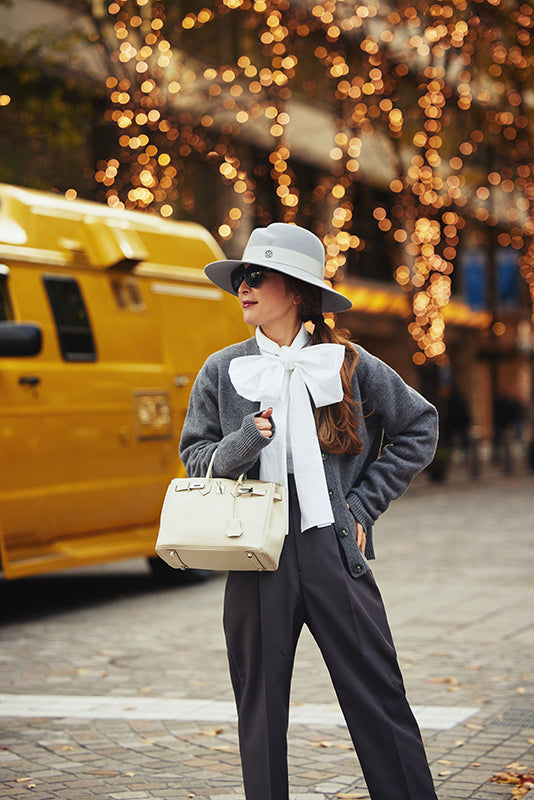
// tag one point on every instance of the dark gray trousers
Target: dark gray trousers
(263, 615)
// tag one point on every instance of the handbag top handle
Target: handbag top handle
(210, 465)
(210, 468)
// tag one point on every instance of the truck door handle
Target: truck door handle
(29, 380)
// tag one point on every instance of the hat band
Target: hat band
(281, 255)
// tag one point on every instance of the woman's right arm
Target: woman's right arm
(202, 433)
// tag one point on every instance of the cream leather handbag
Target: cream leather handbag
(222, 524)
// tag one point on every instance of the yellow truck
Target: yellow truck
(105, 319)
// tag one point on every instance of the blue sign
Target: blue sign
(507, 277)
(473, 263)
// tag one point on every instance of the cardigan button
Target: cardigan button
(344, 532)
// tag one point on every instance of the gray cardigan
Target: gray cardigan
(397, 427)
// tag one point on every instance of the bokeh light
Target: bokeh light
(444, 84)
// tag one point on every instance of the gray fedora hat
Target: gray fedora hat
(283, 248)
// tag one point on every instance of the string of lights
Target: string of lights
(444, 84)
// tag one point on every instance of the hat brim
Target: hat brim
(219, 273)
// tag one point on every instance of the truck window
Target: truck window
(6, 309)
(72, 321)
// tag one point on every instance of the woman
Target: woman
(310, 411)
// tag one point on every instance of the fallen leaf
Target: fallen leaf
(445, 679)
(22, 780)
(521, 782)
(211, 732)
(475, 764)
(109, 772)
(473, 727)
(444, 773)
(145, 689)
(66, 747)
(350, 795)
(444, 761)
(515, 765)
(459, 743)
(339, 745)
(521, 690)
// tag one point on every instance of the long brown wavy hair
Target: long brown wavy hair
(337, 424)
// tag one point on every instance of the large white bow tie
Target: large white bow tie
(285, 378)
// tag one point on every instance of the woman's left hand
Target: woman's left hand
(361, 538)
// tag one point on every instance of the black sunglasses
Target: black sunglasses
(252, 275)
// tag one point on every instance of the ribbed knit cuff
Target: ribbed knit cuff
(252, 440)
(239, 450)
(359, 512)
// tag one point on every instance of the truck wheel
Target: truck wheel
(165, 574)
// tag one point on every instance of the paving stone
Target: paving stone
(460, 607)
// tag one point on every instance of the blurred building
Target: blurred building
(488, 319)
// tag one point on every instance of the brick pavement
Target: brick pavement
(455, 569)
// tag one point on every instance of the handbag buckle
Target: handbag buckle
(196, 485)
(245, 490)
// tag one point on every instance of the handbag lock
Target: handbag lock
(180, 487)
